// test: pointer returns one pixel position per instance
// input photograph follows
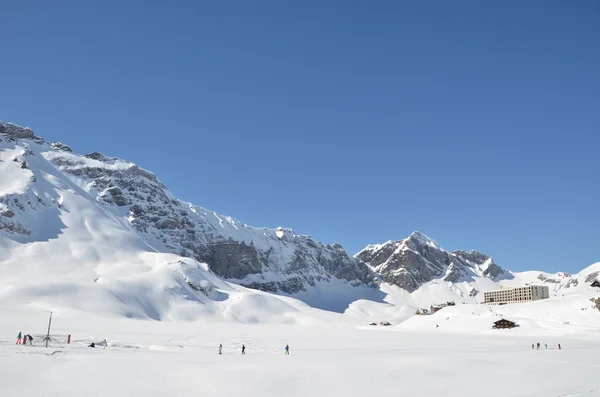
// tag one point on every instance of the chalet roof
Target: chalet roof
(504, 321)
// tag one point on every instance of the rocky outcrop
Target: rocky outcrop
(12, 226)
(16, 132)
(475, 258)
(596, 303)
(60, 146)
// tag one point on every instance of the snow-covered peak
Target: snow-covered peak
(371, 248)
(414, 242)
(592, 270)
(418, 259)
(423, 239)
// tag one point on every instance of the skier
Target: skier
(545, 344)
(538, 346)
(287, 350)
(220, 349)
(243, 349)
(105, 343)
(30, 338)
(559, 346)
(532, 346)
(19, 338)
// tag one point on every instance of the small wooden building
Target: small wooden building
(504, 323)
(596, 283)
(435, 309)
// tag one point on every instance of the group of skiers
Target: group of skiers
(23, 339)
(533, 346)
(287, 349)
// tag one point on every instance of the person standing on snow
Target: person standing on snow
(287, 350)
(545, 344)
(220, 349)
(538, 346)
(532, 346)
(19, 338)
(30, 339)
(559, 346)
(243, 349)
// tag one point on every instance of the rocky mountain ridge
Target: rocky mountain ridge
(416, 260)
(274, 260)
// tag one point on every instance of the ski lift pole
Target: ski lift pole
(48, 334)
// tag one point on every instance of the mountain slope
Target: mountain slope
(39, 177)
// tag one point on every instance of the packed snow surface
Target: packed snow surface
(462, 357)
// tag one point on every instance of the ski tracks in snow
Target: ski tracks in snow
(595, 391)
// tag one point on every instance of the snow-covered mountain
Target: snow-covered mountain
(96, 233)
(433, 275)
(37, 174)
(417, 260)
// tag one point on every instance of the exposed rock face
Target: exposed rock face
(596, 302)
(591, 277)
(12, 226)
(8, 213)
(236, 251)
(16, 132)
(60, 146)
(411, 262)
(268, 259)
(492, 270)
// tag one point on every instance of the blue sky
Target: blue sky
(474, 122)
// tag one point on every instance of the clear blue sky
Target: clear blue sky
(475, 122)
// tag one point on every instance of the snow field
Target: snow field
(150, 358)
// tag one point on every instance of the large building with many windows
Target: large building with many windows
(516, 295)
